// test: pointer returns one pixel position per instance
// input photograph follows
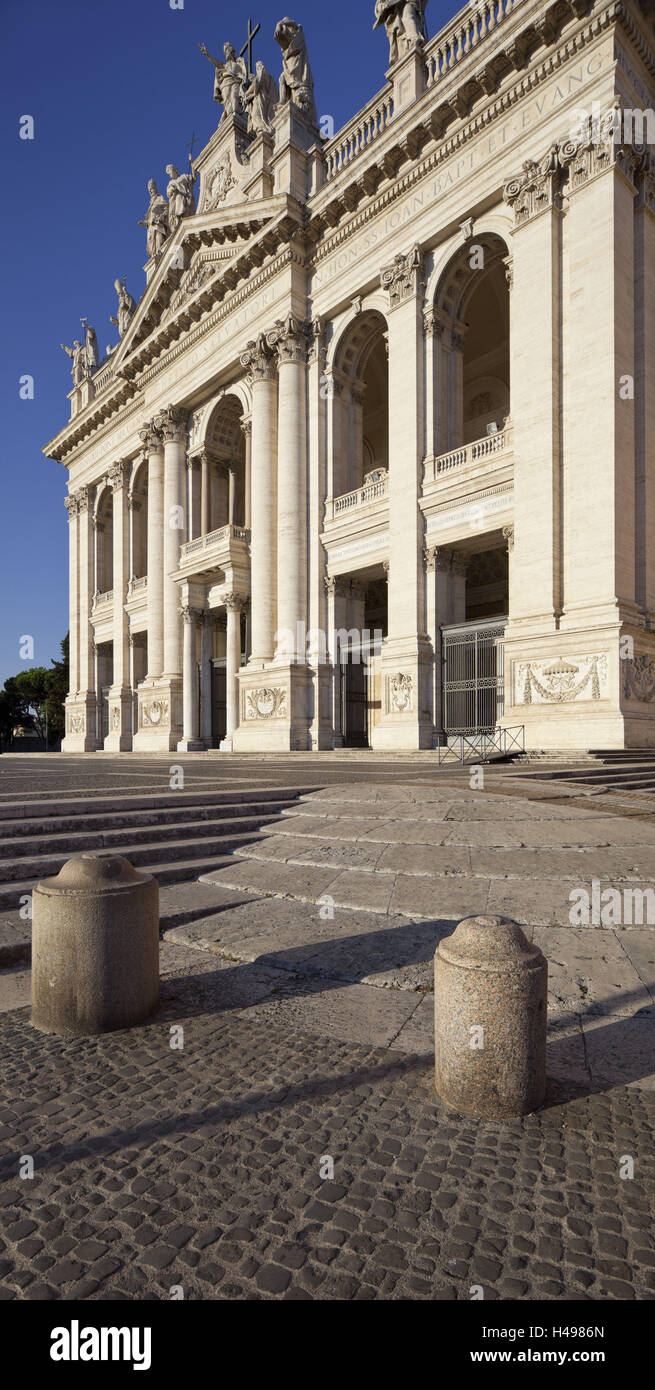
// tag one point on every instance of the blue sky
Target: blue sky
(116, 91)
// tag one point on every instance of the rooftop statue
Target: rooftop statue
(77, 354)
(126, 307)
(296, 81)
(156, 221)
(261, 98)
(180, 194)
(90, 346)
(229, 80)
(404, 21)
(84, 356)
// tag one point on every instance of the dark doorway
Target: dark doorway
(219, 703)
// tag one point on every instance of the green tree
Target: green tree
(33, 687)
(35, 699)
(57, 692)
(12, 712)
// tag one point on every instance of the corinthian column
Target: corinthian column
(262, 364)
(247, 430)
(119, 737)
(172, 423)
(407, 657)
(72, 507)
(292, 339)
(233, 605)
(190, 740)
(153, 444)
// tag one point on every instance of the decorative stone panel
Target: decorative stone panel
(560, 681)
(401, 693)
(267, 702)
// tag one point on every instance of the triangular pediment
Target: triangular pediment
(208, 256)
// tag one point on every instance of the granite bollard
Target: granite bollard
(95, 947)
(490, 1014)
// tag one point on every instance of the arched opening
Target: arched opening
(360, 404)
(223, 485)
(138, 501)
(104, 528)
(471, 347)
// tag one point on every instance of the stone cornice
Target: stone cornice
(494, 110)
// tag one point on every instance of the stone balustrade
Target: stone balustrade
(488, 447)
(460, 37)
(214, 539)
(360, 132)
(463, 34)
(101, 601)
(136, 586)
(336, 507)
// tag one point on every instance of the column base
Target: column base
(190, 745)
(406, 670)
(321, 732)
(160, 715)
(81, 714)
(275, 708)
(119, 738)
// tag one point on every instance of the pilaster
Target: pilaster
(119, 737)
(407, 657)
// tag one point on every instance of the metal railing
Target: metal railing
(489, 745)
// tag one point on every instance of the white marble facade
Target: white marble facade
(392, 383)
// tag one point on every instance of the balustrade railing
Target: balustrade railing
(488, 447)
(214, 538)
(361, 497)
(464, 33)
(362, 130)
(137, 586)
(449, 47)
(102, 600)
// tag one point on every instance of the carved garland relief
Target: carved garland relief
(560, 682)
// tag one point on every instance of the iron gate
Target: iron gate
(473, 676)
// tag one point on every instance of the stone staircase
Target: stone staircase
(611, 769)
(176, 836)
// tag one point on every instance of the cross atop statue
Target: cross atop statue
(252, 35)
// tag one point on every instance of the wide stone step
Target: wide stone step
(47, 865)
(168, 871)
(108, 805)
(24, 838)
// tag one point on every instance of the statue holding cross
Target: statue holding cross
(232, 76)
(229, 80)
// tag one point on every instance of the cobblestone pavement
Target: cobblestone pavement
(201, 1167)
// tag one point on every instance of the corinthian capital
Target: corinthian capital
(292, 338)
(151, 438)
(402, 278)
(72, 505)
(117, 475)
(260, 360)
(536, 188)
(173, 424)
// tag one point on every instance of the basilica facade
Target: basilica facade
(373, 460)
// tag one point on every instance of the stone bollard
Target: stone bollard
(490, 1003)
(95, 947)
